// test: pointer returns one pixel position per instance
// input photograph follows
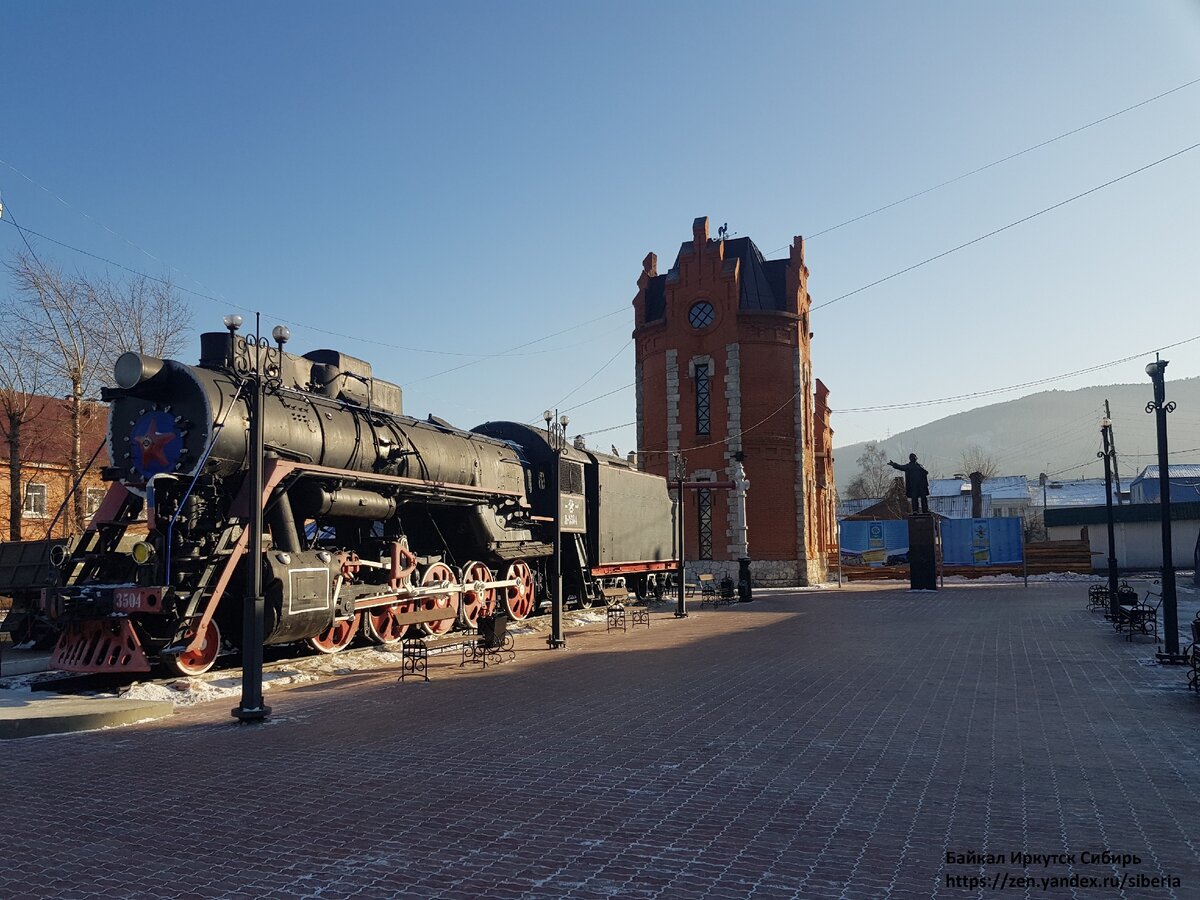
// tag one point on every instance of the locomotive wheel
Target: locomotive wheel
(439, 574)
(476, 603)
(518, 599)
(336, 637)
(380, 625)
(196, 662)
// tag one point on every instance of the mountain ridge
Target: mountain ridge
(1055, 431)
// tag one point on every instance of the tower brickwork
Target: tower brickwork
(723, 367)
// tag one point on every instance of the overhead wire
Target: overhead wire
(994, 163)
(1003, 228)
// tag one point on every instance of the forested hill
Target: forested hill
(1051, 431)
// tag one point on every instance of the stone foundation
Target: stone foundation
(763, 572)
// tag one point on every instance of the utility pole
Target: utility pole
(1112, 439)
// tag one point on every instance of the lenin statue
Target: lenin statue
(916, 483)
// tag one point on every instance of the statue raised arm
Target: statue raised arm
(916, 483)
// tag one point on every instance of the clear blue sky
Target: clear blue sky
(466, 178)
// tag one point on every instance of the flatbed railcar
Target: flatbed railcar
(377, 524)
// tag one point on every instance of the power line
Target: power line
(994, 163)
(1017, 387)
(983, 237)
(476, 357)
(611, 359)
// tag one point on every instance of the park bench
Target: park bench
(491, 642)
(1126, 596)
(723, 593)
(1193, 654)
(621, 613)
(1140, 617)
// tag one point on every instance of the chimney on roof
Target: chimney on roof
(976, 495)
(700, 231)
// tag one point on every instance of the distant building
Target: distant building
(724, 368)
(1077, 492)
(45, 476)
(1183, 479)
(950, 498)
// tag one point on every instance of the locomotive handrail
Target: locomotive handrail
(218, 426)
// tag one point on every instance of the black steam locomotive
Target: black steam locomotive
(377, 524)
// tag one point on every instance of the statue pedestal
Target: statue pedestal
(922, 553)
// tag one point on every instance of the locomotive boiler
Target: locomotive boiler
(378, 524)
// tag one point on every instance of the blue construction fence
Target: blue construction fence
(993, 541)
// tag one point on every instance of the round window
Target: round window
(701, 315)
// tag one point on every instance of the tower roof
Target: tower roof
(762, 284)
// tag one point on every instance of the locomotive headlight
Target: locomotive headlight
(142, 552)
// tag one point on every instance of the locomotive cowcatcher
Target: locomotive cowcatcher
(377, 523)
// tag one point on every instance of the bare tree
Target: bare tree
(144, 314)
(874, 476)
(975, 459)
(21, 384)
(78, 326)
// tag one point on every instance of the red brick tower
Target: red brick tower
(723, 367)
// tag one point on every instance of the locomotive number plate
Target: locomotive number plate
(141, 600)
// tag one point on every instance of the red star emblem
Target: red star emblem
(153, 444)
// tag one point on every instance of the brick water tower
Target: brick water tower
(723, 368)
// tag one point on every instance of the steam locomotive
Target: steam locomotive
(377, 524)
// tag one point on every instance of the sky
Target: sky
(462, 194)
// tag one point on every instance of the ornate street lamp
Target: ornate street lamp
(1160, 407)
(556, 437)
(1107, 455)
(251, 707)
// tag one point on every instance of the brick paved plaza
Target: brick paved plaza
(822, 744)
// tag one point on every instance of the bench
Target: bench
(491, 643)
(621, 613)
(615, 599)
(1141, 617)
(1193, 654)
(724, 593)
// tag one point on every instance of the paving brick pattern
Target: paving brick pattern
(832, 744)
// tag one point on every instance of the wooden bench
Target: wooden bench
(725, 592)
(1140, 617)
(491, 643)
(621, 613)
(1193, 653)
(615, 599)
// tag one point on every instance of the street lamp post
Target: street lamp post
(681, 602)
(1160, 407)
(251, 708)
(1107, 455)
(556, 437)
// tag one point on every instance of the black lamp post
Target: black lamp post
(251, 708)
(1107, 455)
(1160, 407)
(681, 602)
(556, 437)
